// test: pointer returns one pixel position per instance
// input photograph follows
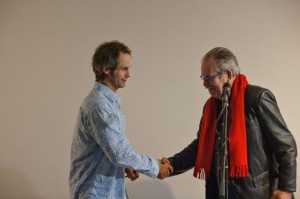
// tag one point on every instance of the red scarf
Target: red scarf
(238, 166)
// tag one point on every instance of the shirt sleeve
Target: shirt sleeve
(116, 146)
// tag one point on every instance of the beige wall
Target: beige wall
(45, 54)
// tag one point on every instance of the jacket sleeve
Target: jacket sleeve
(185, 159)
(280, 140)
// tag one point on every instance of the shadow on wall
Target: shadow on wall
(149, 189)
(13, 184)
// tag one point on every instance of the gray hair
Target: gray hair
(224, 59)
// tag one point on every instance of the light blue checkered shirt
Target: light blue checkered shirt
(100, 149)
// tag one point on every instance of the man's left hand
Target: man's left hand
(278, 194)
(131, 174)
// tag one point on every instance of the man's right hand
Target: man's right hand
(165, 168)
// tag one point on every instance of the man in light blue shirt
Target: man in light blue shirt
(101, 153)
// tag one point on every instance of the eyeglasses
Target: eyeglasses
(209, 77)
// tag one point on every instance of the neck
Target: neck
(108, 84)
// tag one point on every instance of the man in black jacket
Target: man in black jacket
(262, 152)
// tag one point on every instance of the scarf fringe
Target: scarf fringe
(239, 171)
(201, 174)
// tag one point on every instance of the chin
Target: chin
(212, 94)
(215, 95)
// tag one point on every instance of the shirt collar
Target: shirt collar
(107, 92)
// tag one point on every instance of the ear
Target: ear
(105, 70)
(229, 74)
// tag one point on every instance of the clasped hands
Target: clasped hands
(165, 169)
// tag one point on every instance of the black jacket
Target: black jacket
(271, 151)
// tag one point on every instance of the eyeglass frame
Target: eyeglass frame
(211, 78)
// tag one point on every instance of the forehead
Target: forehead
(125, 60)
(208, 67)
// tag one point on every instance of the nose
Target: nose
(205, 83)
(127, 74)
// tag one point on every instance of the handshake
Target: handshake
(165, 169)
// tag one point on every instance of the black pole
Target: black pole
(223, 168)
(223, 151)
